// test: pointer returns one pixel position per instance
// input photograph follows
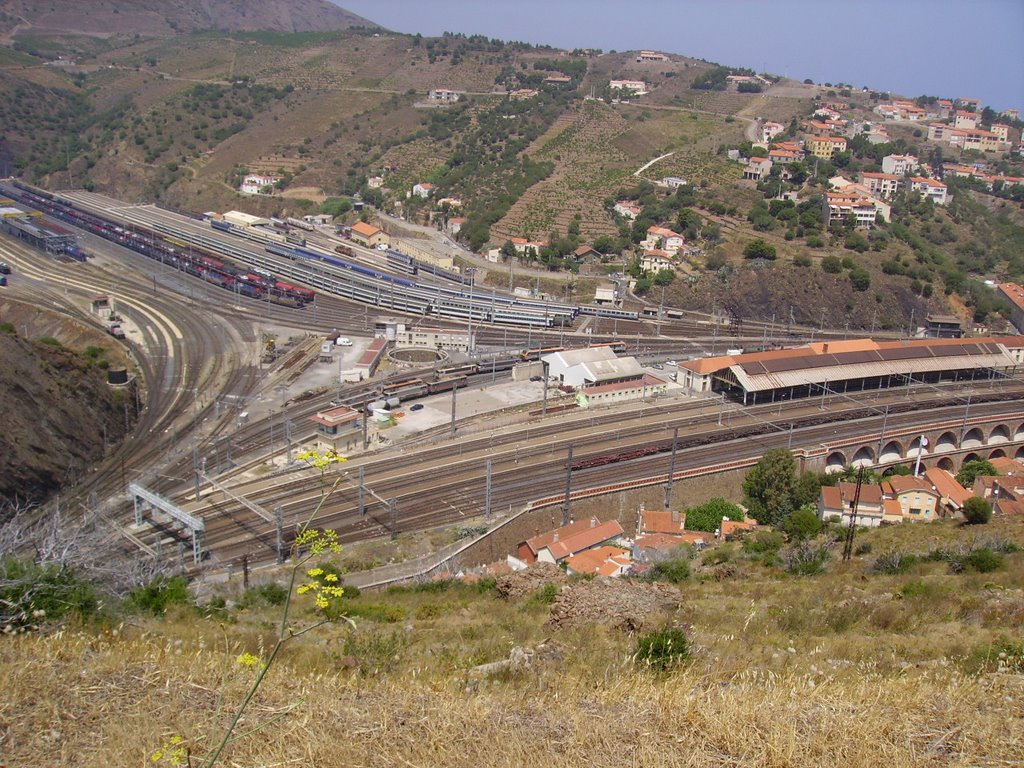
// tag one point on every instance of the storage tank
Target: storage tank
(117, 376)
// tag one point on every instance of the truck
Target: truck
(115, 330)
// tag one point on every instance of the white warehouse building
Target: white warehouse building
(591, 365)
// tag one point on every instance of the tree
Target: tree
(977, 511)
(803, 524)
(972, 469)
(770, 487)
(708, 516)
(664, 276)
(759, 249)
(860, 278)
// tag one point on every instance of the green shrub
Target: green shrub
(762, 542)
(544, 596)
(984, 560)
(31, 594)
(708, 516)
(923, 589)
(977, 511)
(662, 650)
(893, 562)
(429, 611)
(161, 593)
(806, 558)
(1003, 656)
(379, 612)
(674, 570)
(802, 524)
(375, 652)
(718, 555)
(271, 593)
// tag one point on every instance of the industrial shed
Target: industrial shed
(591, 365)
(850, 366)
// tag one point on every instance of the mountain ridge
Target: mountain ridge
(163, 18)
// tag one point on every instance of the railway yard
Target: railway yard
(199, 304)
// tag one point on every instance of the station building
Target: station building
(835, 367)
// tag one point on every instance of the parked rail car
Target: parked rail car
(153, 244)
(535, 354)
(402, 262)
(613, 312)
(457, 370)
(615, 346)
(446, 385)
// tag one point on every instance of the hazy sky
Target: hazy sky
(949, 48)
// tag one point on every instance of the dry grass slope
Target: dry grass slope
(850, 668)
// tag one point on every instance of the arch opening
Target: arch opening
(892, 451)
(946, 442)
(835, 463)
(865, 457)
(974, 438)
(1001, 434)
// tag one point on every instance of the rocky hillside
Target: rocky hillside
(58, 409)
(107, 18)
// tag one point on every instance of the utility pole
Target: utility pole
(487, 493)
(568, 487)
(848, 546)
(279, 524)
(454, 390)
(469, 340)
(362, 491)
(671, 469)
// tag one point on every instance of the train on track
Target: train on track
(255, 284)
(230, 267)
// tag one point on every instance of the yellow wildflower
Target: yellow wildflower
(247, 660)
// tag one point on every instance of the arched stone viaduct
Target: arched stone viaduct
(948, 445)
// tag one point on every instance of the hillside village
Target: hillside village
(591, 548)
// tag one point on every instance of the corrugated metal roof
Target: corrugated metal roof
(892, 362)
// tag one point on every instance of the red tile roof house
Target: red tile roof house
(601, 561)
(529, 550)
(836, 503)
(952, 495)
(649, 521)
(598, 534)
(734, 528)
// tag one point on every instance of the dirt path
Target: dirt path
(647, 165)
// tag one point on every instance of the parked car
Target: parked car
(343, 342)
(5, 268)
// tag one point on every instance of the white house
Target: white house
(423, 189)
(637, 87)
(757, 168)
(444, 95)
(255, 183)
(627, 209)
(660, 237)
(930, 188)
(770, 130)
(883, 184)
(899, 165)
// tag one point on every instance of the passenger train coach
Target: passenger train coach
(207, 257)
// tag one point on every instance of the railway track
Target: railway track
(529, 462)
